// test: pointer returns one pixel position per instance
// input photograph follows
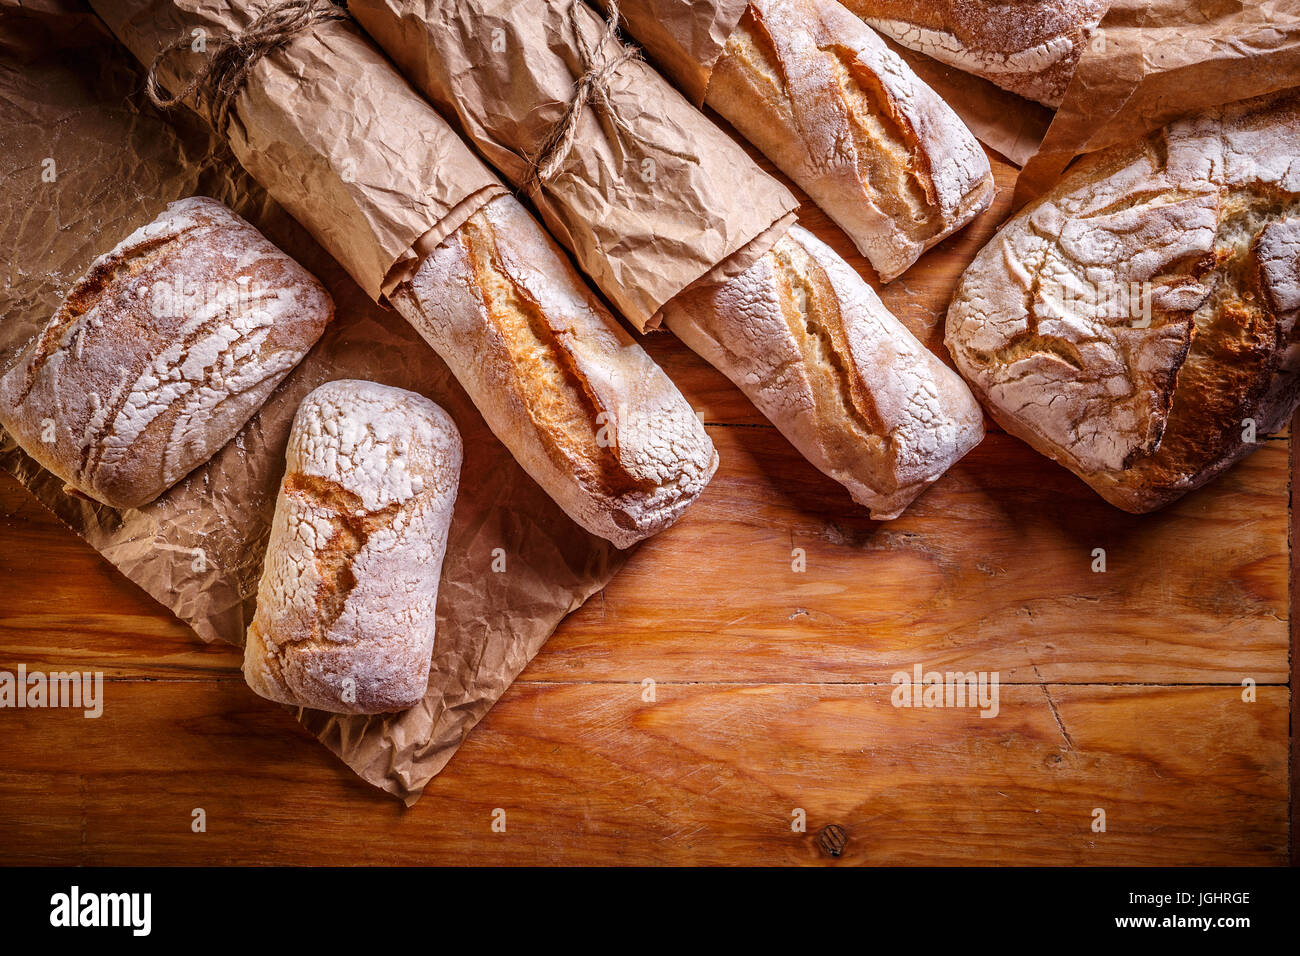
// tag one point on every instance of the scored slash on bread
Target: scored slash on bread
(817, 352)
(347, 603)
(161, 353)
(583, 408)
(1138, 322)
(842, 115)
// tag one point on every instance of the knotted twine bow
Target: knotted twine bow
(591, 88)
(223, 76)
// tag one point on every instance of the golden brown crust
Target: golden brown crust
(824, 98)
(567, 407)
(812, 346)
(1203, 221)
(580, 405)
(347, 601)
(161, 353)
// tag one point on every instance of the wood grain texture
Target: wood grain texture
(1120, 690)
(990, 570)
(708, 773)
(1294, 578)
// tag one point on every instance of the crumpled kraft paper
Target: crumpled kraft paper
(1152, 61)
(645, 212)
(331, 130)
(85, 162)
(685, 38)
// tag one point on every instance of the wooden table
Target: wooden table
(1120, 691)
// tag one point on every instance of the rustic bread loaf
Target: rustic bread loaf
(1138, 322)
(842, 115)
(816, 351)
(1030, 47)
(161, 353)
(349, 590)
(582, 407)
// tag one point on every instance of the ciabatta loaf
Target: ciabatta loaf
(826, 100)
(582, 407)
(1138, 323)
(816, 351)
(161, 353)
(1030, 47)
(349, 590)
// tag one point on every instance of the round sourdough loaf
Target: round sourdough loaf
(1138, 323)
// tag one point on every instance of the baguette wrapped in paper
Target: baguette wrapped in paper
(649, 196)
(386, 173)
(384, 202)
(543, 83)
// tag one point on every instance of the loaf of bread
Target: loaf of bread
(582, 407)
(1138, 322)
(1030, 47)
(816, 351)
(346, 605)
(161, 353)
(842, 115)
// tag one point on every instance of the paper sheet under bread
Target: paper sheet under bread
(72, 96)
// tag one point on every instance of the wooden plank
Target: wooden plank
(1294, 774)
(990, 570)
(708, 773)
(63, 604)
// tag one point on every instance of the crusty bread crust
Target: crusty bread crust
(349, 591)
(582, 407)
(1049, 327)
(1030, 47)
(161, 353)
(842, 115)
(817, 352)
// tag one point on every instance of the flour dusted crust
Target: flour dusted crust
(580, 405)
(842, 115)
(818, 353)
(1030, 47)
(1049, 326)
(161, 353)
(346, 605)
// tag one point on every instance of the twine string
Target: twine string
(219, 81)
(591, 89)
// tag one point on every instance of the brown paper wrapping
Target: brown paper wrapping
(683, 38)
(1154, 60)
(71, 96)
(330, 130)
(645, 215)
